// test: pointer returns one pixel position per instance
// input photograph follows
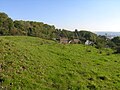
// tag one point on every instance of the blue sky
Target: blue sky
(92, 15)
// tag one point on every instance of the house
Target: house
(64, 40)
(88, 42)
(74, 41)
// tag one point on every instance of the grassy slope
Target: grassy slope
(29, 63)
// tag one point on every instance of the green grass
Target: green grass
(30, 63)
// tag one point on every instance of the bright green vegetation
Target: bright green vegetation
(8, 27)
(30, 63)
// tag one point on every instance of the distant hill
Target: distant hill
(109, 35)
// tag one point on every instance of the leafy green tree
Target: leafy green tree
(100, 43)
(6, 24)
(116, 40)
(87, 35)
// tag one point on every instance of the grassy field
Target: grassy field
(30, 63)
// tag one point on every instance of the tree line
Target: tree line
(39, 29)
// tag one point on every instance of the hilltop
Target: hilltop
(31, 63)
(9, 27)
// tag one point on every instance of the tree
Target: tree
(87, 35)
(116, 40)
(6, 24)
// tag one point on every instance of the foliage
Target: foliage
(6, 24)
(116, 40)
(117, 50)
(87, 35)
(49, 32)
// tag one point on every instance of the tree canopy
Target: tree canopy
(42, 30)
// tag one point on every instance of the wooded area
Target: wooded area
(39, 29)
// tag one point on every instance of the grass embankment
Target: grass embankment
(29, 63)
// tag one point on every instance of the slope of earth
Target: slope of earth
(30, 63)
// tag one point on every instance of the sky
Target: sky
(91, 15)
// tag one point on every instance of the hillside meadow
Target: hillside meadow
(31, 63)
